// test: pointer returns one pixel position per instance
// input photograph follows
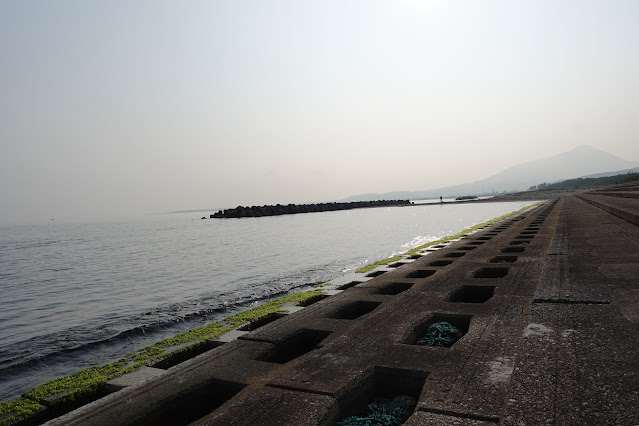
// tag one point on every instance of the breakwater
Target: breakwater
(282, 209)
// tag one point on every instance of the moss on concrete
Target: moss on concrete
(446, 239)
(310, 300)
(379, 263)
(81, 384)
(85, 384)
(12, 412)
(271, 307)
(207, 332)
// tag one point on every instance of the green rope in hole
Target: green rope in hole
(383, 412)
(440, 334)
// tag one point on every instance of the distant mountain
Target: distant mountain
(581, 161)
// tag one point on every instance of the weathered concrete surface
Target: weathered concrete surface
(624, 205)
(137, 377)
(423, 418)
(281, 407)
(547, 301)
(578, 364)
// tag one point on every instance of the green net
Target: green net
(440, 334)
(383, 412)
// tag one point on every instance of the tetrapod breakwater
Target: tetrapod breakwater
(282, 209)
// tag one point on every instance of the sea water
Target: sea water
(75, 295)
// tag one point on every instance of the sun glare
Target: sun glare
(422, 5)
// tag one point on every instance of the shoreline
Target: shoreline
(78, 387)
(538, 301)
(82, 386)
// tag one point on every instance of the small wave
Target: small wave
(28, 363)
(418, 241)
(159, 322)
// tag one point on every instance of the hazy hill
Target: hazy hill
(581, 161)
(586, 182)
(618, 172)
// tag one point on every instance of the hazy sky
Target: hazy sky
(120, 108)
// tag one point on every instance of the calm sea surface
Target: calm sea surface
(78, 295)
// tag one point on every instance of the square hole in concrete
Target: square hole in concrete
(395, 288)
(455, 254)
(476, 243)
(472, 294)
(259, 322)
(311, 300)
(415, 256)
(396, 264)
(524, 237)
(187, 407)
(513, 250)
(179, 356)
(348, 285)
(482, 238)
(504, 259)
(384, 387)
(459, 321)
(375, 274)
(355, 310)
(491, 272)
(440, 263)
(295, 346)
(528, 232)
(421, 273)
(440, 246)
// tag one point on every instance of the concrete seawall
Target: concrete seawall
(547, 301)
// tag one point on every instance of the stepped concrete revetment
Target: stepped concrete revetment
(547, 302)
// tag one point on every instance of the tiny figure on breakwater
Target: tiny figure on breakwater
(441, 200)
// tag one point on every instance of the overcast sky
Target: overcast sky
(120, 108)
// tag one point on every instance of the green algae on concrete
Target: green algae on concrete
(85, 384)
(446, 239)
(12, 412)
(271, 307)
(82, 384)
(207, 332)
(310, 300)
(380, 263)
